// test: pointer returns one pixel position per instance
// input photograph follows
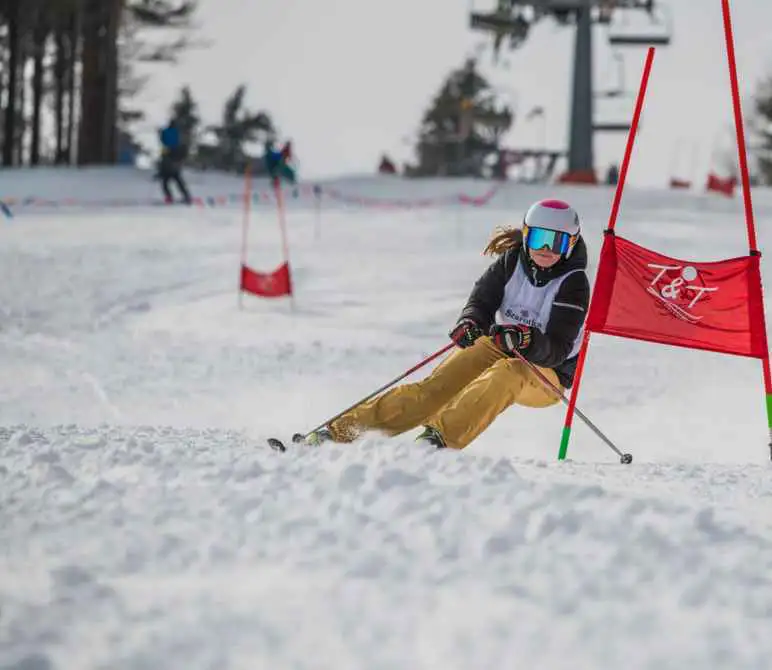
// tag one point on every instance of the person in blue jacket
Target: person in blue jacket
(277, 162)
(173, 154)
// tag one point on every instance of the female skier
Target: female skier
(532, 299)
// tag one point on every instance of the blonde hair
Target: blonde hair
(503, 239)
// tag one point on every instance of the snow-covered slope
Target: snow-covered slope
(144, 524)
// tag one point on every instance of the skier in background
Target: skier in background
(286, 152)
(386, 166)
(173, 154)
(532, 300)
(278, 162)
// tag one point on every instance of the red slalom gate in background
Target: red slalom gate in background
(274, 284)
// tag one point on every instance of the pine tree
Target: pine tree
(238, 127)
(463, 125)
(106, 73)
(185, 112)
(762, 130)
(141, 41)
(73, 59)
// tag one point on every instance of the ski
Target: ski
(277, 445)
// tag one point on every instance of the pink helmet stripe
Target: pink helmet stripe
(554, 204)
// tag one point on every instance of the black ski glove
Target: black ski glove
(465, 332)
(510, 338)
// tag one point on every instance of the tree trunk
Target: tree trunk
(9, 131)
(21, 97)
(60, 75)
(110, 122)
(74, 46)
(40, 38)
(97, 142)
(88, 139)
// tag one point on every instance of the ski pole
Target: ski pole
(299, 437)
(624, 458)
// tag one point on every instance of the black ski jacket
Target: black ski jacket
(551, 348)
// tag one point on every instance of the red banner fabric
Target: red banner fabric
(268, 285)
(643, 295)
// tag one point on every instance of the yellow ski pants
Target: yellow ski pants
(460, 398)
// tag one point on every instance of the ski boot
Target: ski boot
(431, 436)
(318, 437)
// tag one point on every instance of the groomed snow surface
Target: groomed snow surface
(145, 525)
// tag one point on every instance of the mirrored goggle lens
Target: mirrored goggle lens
(556, 241)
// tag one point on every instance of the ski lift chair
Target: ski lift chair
(616, 118)
(659, 32)
(611, 127)
(502, 25)
(619, 89)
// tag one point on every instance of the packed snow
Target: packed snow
(145, 524)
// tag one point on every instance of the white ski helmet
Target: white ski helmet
(553, 224)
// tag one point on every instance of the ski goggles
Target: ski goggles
(555, 240)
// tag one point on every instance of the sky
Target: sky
(348, 80)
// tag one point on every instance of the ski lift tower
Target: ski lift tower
(513, 19)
